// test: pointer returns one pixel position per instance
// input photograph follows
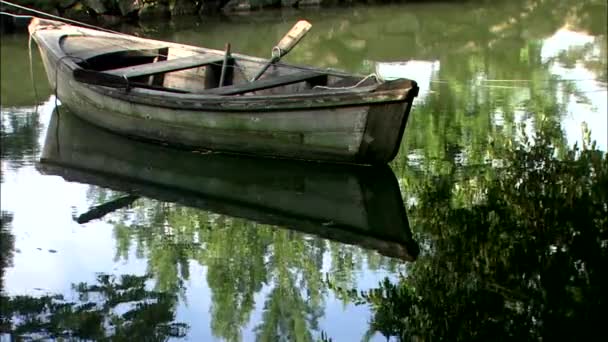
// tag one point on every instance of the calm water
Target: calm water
(510, 220)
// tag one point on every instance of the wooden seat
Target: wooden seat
(165, 66)
(88, 47)
(270, 82)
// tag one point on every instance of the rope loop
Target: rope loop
(374, 75)
(276, 52)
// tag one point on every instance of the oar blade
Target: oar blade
(297, 32)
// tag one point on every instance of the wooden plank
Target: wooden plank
(266, 83)
(291, 101)
(91, 47)
(99, 78)
(107, 80)
(159, 79)
(170, 65)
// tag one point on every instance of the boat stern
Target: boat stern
(386, 124)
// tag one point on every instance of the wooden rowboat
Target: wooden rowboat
(170, 93)
(352, 204)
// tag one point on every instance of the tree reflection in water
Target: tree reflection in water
(113, 308)
(518, 253)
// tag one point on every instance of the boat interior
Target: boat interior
(120, 62)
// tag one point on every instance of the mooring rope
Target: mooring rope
(16, 15)
(29, 50)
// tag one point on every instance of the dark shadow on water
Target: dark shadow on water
(350, 204)
(516, 252)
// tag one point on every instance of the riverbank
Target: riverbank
(111, 12)
(102, 12)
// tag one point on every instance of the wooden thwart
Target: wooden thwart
(270, 82)
(107, 80)
(86, 49)
(162, 67)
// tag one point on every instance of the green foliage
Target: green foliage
(524, 262)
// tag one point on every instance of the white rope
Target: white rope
(29, 47)
(378, 80)
(276, 52)
(17, 16)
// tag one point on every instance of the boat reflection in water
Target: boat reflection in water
(358, 205)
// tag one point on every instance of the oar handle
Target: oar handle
(297, 32)
(289, 40)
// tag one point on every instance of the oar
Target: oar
(101, 210)
(297, 32)
(224, 65)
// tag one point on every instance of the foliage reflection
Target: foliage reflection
(517, 251)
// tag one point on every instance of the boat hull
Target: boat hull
(349, 130)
